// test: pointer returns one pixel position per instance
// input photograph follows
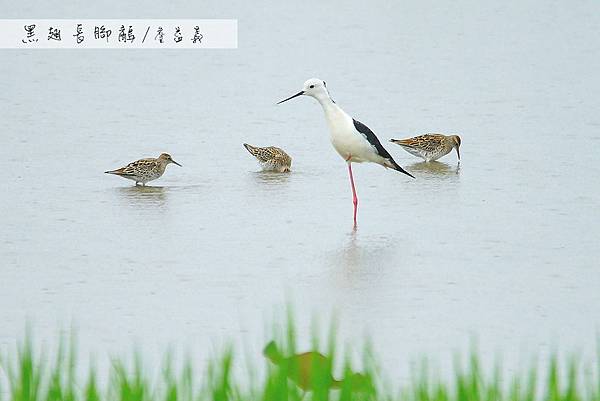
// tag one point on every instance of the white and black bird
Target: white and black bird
(353, 140)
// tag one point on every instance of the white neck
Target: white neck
(329, 107)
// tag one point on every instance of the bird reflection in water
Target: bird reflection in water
(270, 177)
(365, 254)
(362, 260)
(435, 168)
(143, 197)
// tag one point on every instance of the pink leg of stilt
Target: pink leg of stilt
(354, 197)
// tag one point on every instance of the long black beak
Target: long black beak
(291, 97)
(457, 152)
(176, 163)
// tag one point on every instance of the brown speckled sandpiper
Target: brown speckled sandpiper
(271, 158)
(430, 146)
(144, 170)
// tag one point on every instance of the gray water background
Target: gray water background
(503, 248)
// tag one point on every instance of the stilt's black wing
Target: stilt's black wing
(374, 141)
(372, 138)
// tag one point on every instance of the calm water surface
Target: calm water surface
(503, 247)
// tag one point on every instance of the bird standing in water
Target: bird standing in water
(271, 158)
(353, 140)
(430, 146)
(144, 170)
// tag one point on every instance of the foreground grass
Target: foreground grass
(288, 376)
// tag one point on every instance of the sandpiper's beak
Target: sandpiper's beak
(457, 152)
(291, 97)
(180, 164)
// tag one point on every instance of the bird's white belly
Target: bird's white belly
(426, 155)
(351, 145)
(148, 176)
(416, 152)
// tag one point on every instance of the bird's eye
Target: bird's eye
(312, 86)
(324, 83)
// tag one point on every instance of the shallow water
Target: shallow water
(503, 247)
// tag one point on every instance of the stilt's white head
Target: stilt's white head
(314, 87)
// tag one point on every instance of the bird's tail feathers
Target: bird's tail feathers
(120, 172)
(391, 163)
(403, 142)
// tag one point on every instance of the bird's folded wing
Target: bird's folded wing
(422, 141)
(127, 171)
(372, 139)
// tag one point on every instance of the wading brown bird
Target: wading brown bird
(144, 170)
(271, 158)
(430, 146)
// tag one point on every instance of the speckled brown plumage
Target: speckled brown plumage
(430, 146)
(271, 158)
(144, 170)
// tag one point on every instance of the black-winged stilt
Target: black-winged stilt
(353, 140)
